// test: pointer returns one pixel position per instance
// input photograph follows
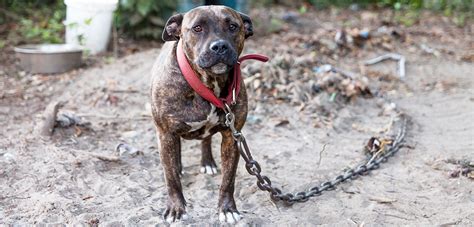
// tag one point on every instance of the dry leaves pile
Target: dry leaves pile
(304, 71)
(295, 73)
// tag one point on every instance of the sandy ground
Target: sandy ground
(63, 182)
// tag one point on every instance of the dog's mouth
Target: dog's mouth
(217, 64)
(219, 68)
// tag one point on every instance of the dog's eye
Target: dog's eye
(197, 28)
(232, 27)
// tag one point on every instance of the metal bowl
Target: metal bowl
(49, 58)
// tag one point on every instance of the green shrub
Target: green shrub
(37, 21)
(408, 10)
(49, 30)
(440, 5)
(143, 18)
(41, 20)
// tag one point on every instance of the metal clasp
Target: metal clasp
(230, 122)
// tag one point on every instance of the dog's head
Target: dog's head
(213, 36)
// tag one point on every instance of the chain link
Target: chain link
(264, 183)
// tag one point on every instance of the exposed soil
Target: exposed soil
(66, 179)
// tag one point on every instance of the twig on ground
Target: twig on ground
(107, 158)
(321, 154)
(397, 57)
(113, 117)
(451, 223)
(275, 205)
(382, 199)
(103, 157)
(376, 155)
(46, 124)
(344, 73)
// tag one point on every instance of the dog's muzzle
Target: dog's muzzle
(219, 57)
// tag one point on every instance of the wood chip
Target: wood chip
(382, 199)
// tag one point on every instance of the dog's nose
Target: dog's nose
(219, 47)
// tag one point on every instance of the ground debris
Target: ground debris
(464, 167)
(468, 58)
(376, 146)
(305, 83)
(47, 121)
(122, 189)
(68, 118)
(397, 57)
(429, 50)
(382, 199)
(103, 157)
(124, 149)
(337, 83)
(7, 157)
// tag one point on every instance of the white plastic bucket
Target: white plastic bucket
(88, 23)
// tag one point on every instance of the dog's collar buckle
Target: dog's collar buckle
(233, 97)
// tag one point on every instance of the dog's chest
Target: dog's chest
(203, 127)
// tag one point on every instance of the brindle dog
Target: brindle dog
(213, 38)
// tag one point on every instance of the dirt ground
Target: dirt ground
(66, 181)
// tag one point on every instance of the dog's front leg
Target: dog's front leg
(170, 160)
(208, 165)
(230, 159)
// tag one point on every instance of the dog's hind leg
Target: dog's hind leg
(208, 165)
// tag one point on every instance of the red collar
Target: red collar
(205, 92)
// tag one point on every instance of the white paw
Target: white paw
(208, 170)
(170, 219)
(184, 217)
(229, 217)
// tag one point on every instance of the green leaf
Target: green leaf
(88, 21)
(109, 59)
(135, 19)
(72, 25)
(57, 15)
(275, 25)
(46, 35)
(397, 6)
(127, 4)
(144, 6)
(303, 9)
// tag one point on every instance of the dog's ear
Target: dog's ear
(172, 28)
(247, 25)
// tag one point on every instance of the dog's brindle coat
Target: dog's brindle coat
(213, 38)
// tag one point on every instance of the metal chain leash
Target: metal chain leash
(265, 184)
